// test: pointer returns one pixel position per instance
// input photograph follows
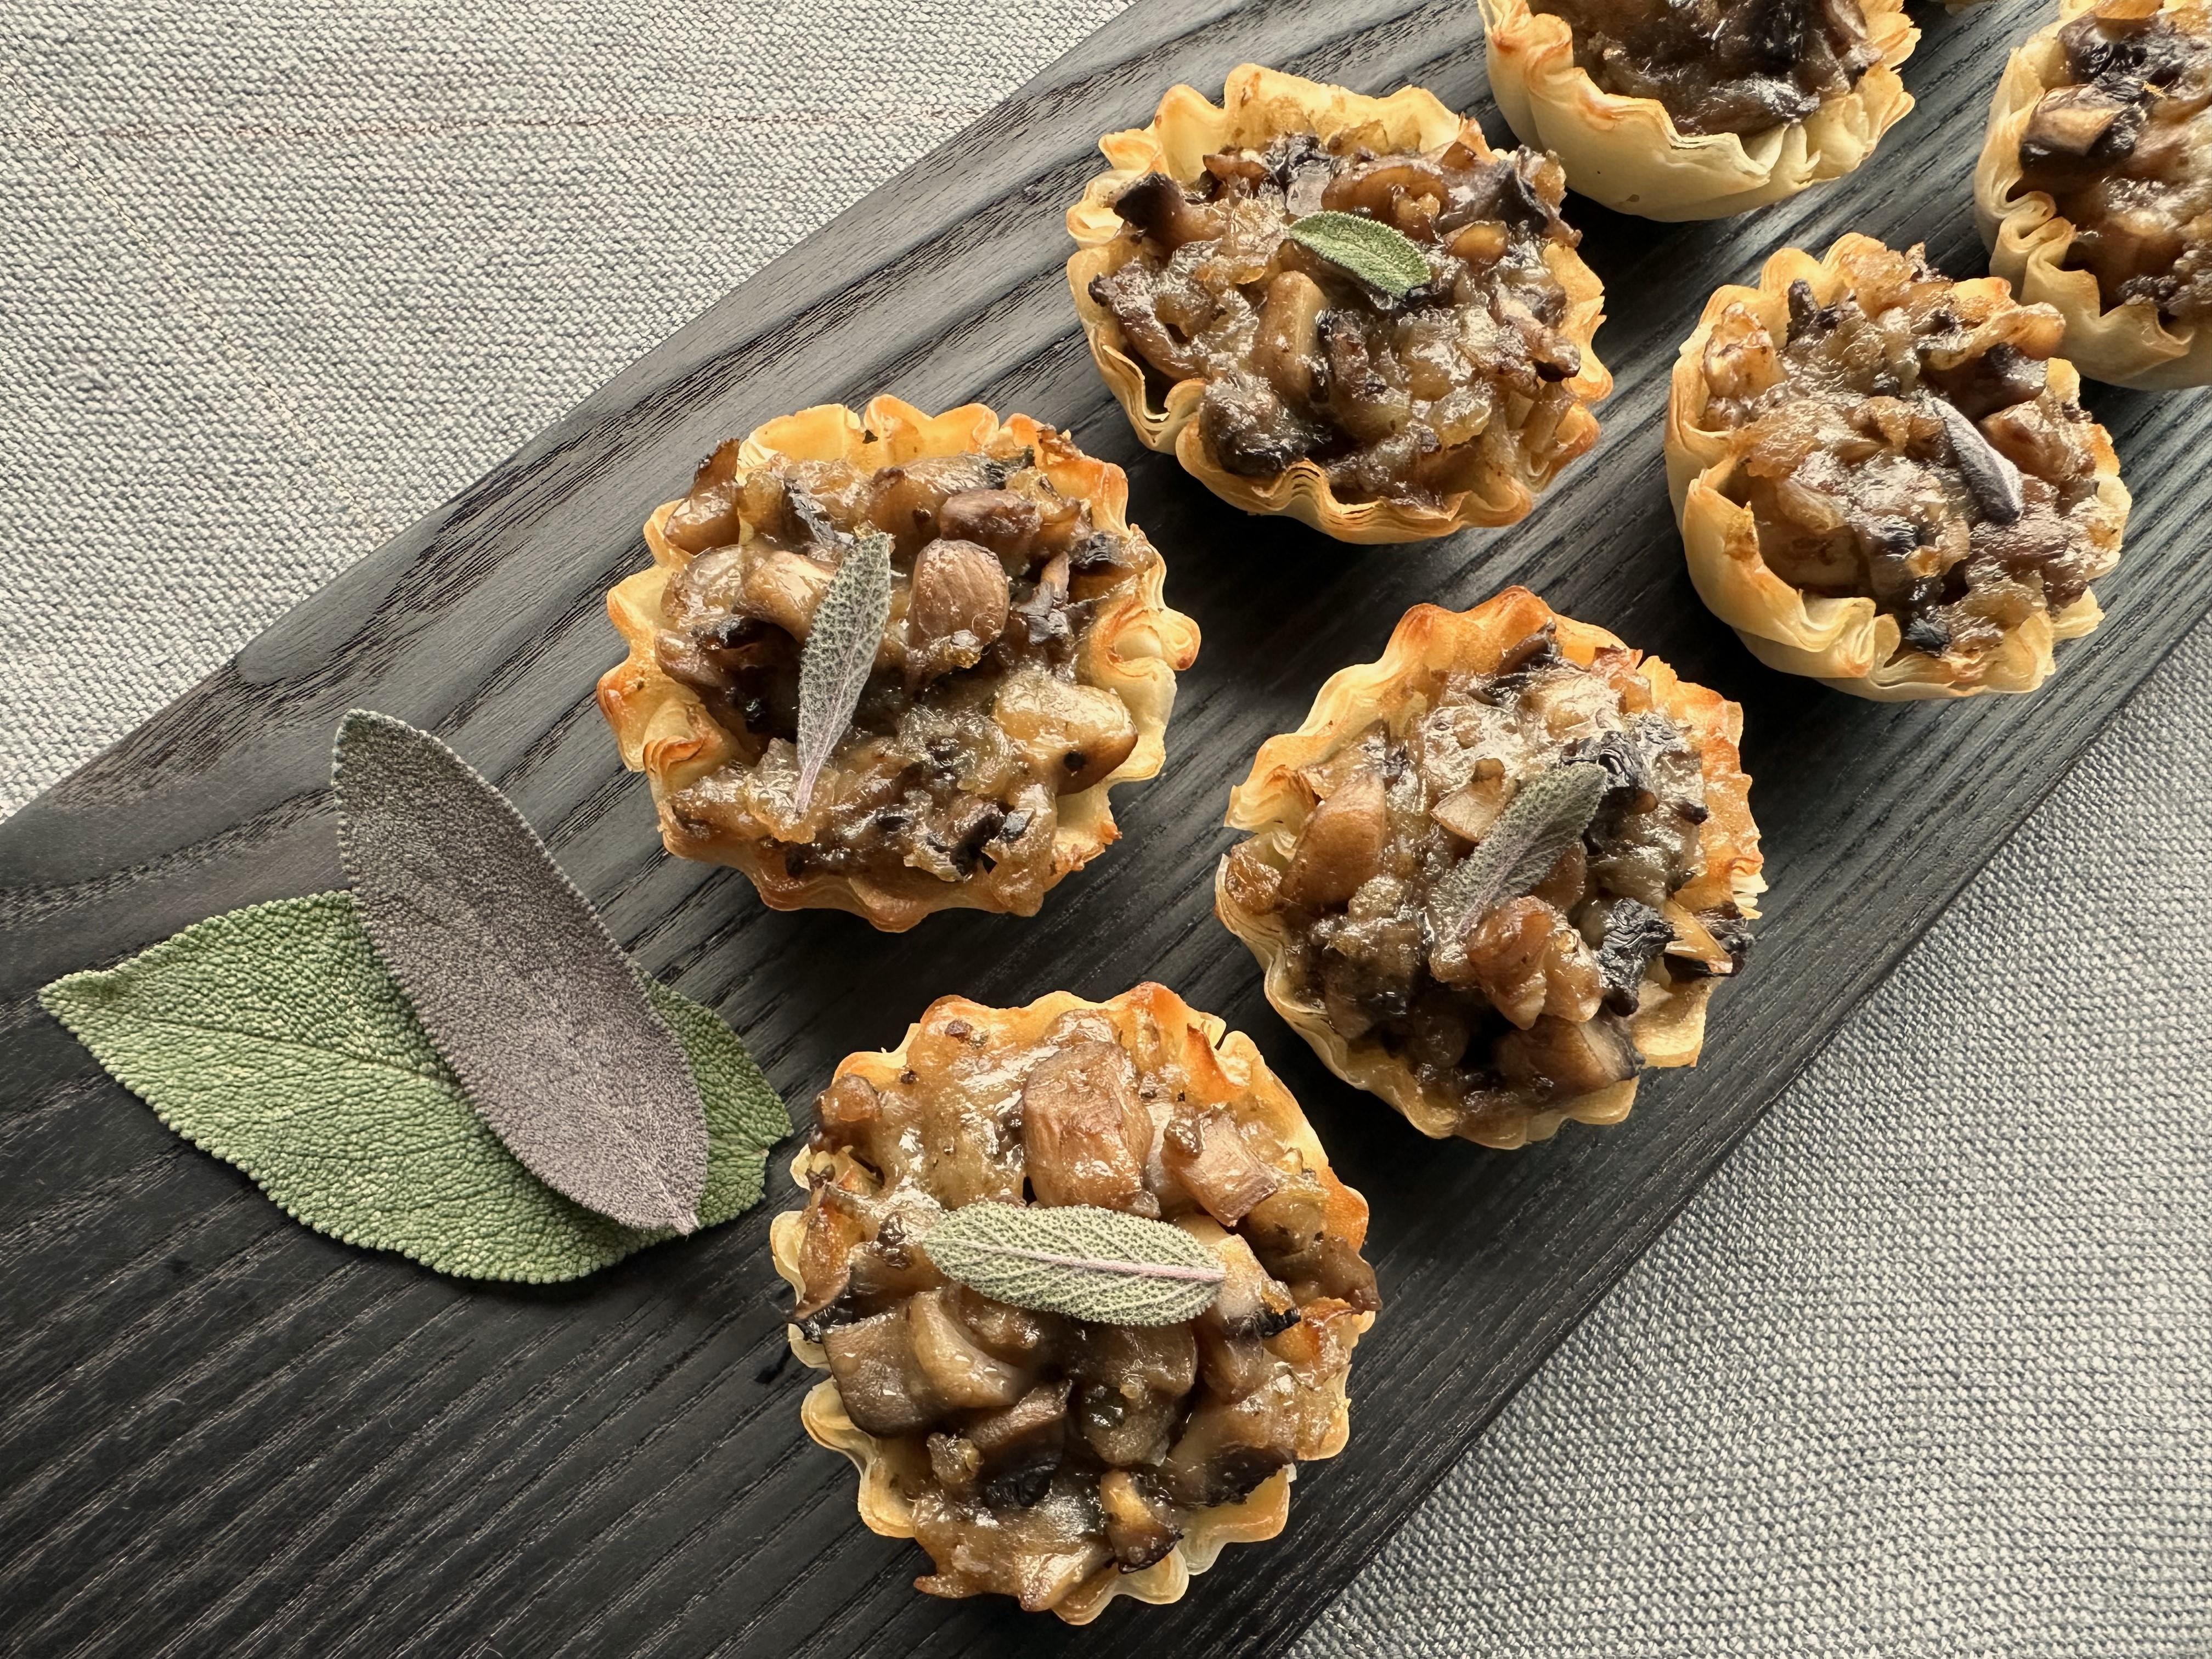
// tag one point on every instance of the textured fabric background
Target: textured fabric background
(1922, 1372)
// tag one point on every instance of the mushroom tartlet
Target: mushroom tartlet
(1885, 478)
(2094, 189)
(1055, 1460)
(1697, 111)
(1289, 382)
(1496, 874)
(1028, 661)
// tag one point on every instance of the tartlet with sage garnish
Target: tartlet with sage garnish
(997, 652)
(1885, 479)
(1698, 110)
(1057, 1452)
(2094, 189)
(1497, 873)
(1348, 309)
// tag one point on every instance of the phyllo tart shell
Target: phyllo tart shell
(1128, 651)
(1847, 641)
(1261, 105)
(2030, 240)
(1002, 1103)
(1627, 153)
(1281, 797)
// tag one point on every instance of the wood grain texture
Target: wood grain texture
(226, 1435)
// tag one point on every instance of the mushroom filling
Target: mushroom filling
(2124, 149)
(1526, 1002)
(1038, 1452)
(1412, 399)
(1739, 66)
(975, 719)
(1890, 449)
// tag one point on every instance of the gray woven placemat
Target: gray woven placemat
(1922, 1372)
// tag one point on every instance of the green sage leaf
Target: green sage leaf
(840, 651)
(1076, 1260)
(274, 1038)
(526, 997)
(1546, 816)
(1378, 254)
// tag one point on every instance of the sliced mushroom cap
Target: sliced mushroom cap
(1578, 1057)
(877, 1378)
(1229, 1447)
(1210, 1158)
(1341, 847)
(1018, 1449)
(1287, 348)
(959, 1374)
(1074, 735)
(1038, 1555)
(784, 588)
(1084, 1133)
(903, 501)
(1141, 1525)
(1005, 520)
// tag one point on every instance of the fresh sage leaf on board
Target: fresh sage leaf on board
(525, 995)
(1076, 1260)
(1380, 256)
(840, 651)
(1546, 817)
(275, 1039)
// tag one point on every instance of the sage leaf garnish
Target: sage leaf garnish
(527, 999)
(1087, 1263)
(1546, 816)
(840, 651)
(274, 1038)
(1379, 255)
(1990, 479)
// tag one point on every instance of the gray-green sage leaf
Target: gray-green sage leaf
(1378, 254)
(839, 653)
(1085, 1262)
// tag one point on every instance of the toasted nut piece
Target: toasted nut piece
(1341, 846)
(958, 588)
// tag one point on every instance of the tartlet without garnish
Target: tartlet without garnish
(1287, 383)
(1496, 1012)
(1053, 1460)
(1886, 480)
(1028, 663)
(2094, 188)
(1698, 111)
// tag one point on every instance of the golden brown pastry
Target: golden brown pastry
(1885, 478)
(1056, 1461)
(1377, 889)
(2094, 189)
(1028, 662)
(1696, 111)
(1289, 384)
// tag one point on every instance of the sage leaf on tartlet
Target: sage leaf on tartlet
(1379, 255)
(275, 1039)
(839, 654)
(1546, 815)
(1077, 1259)
(526, 997)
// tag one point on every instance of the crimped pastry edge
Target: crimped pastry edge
(1845, 643)
(1259, 104)
(1135, 651)
(1669, 1031)
(2028, 240)
(1626, 153)
(1243, 1074)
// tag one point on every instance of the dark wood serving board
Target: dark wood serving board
(225, 1434)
